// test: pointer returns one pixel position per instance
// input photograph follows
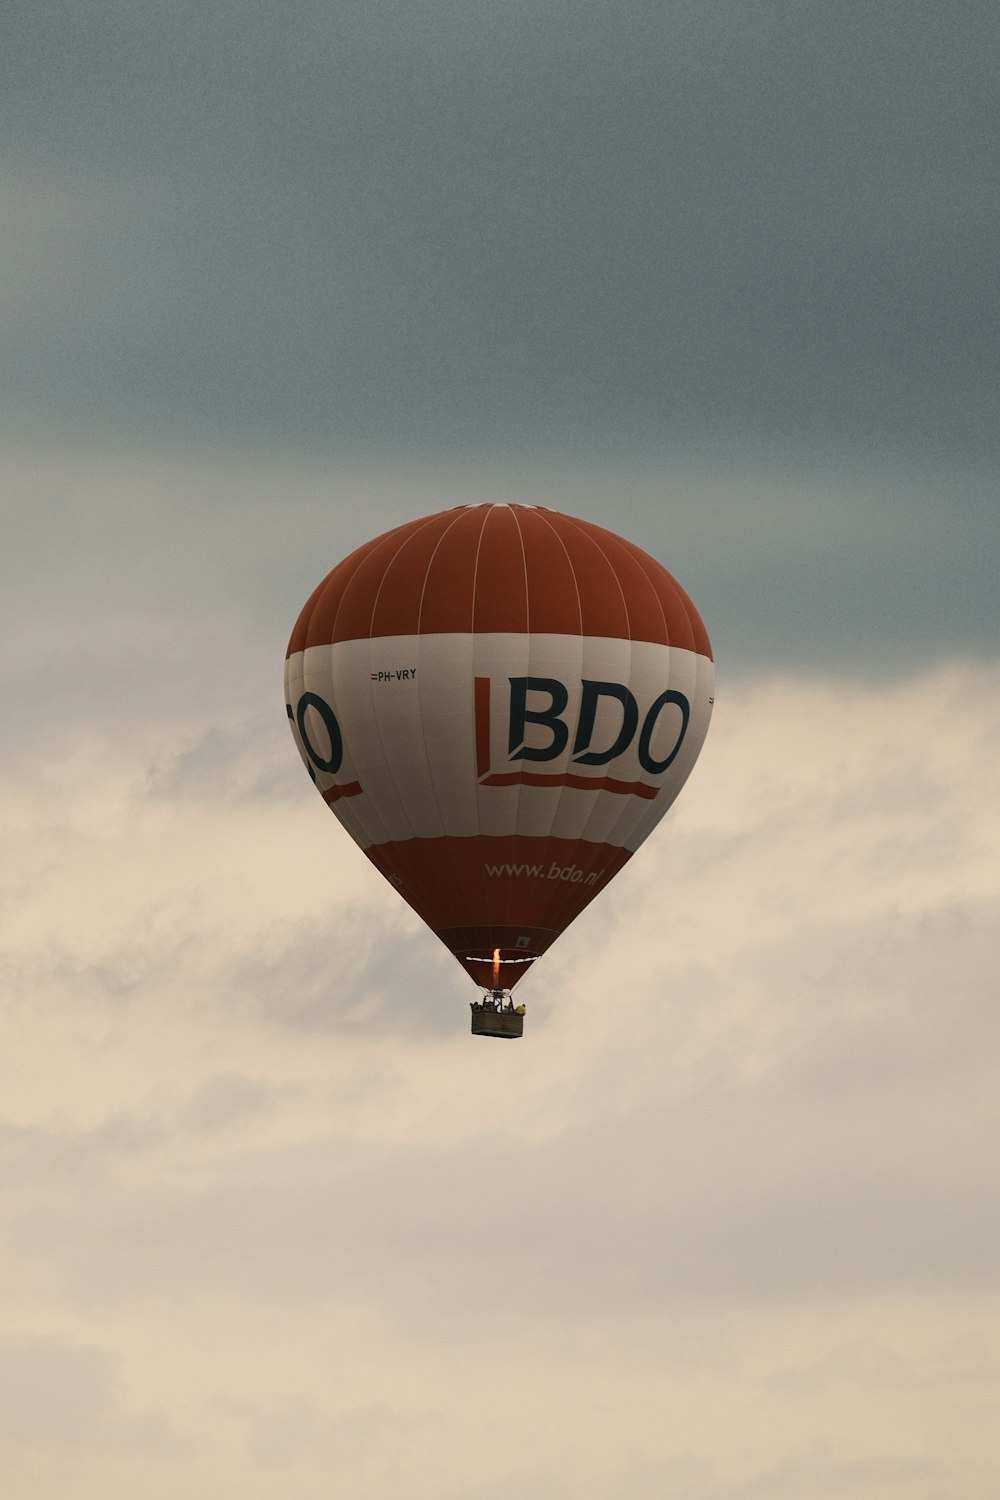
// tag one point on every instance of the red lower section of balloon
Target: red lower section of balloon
(514, 894)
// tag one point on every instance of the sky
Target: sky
(724, 1226)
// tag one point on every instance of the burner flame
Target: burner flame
(496, 968)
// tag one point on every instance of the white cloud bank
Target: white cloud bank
(722, 1226)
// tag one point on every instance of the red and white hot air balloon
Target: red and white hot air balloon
(499, 703)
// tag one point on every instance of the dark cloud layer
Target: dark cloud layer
(544, 224)
(135, 591)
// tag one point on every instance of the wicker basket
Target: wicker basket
(486, 1021)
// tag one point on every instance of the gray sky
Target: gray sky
(722, 277)
(543, 225)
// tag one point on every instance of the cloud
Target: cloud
(820, 1471)
(739, 1083)
(740, 1164)
(53, 1393)
(57, 1395)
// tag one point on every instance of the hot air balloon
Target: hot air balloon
(499, 703)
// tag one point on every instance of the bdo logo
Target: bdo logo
(608, 722)
(321, 741)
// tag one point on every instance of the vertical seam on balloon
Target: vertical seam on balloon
(413, 532)
(527, 632)
(392, 553)
(576, 587)
(462, 512)
(390, 558)
(432, 882)
(625, 816)
(363, 817)
(374, 715)
(475, 567)
(312, 605)
(370, 546)
(484, 883)
(456, 883)
(588, 533)
(386, 833)
(666, 581)
(633, 823)
(582, 836)
(559, 907)
(319, 593)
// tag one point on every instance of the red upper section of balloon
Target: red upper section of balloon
(512, 568)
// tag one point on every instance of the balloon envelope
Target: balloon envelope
(499, 703)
